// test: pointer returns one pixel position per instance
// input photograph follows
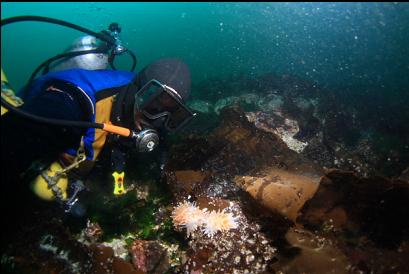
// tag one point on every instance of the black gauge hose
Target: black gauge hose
(104, 37)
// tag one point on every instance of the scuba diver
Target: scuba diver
(104, 96)
(77, 108)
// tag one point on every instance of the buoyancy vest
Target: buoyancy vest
(99, 87)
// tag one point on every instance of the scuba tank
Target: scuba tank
(90, 61)
(52, 183)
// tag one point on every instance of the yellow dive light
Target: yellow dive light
(119, 188)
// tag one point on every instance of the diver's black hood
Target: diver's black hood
(171, 71)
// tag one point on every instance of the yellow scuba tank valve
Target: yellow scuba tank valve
(8, 93)
(119, 188)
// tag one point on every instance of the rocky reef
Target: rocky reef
(314, 219)
(277, 180)
(335, 129)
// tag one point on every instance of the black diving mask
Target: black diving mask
(161, 103)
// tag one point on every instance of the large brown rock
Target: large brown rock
(377, 207)
(281, 191)
(311, 254)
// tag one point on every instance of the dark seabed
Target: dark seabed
(297, 160)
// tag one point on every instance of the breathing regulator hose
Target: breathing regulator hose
(101, 36)
(111, 41)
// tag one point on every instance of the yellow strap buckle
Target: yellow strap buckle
(119, 188)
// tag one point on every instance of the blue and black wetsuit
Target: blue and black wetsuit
(69, 95)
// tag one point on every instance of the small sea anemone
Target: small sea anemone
(196, 219)
(190, 216)
(219, 221)
(182, 212)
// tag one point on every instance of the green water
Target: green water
(358, 51)
(356, 46)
